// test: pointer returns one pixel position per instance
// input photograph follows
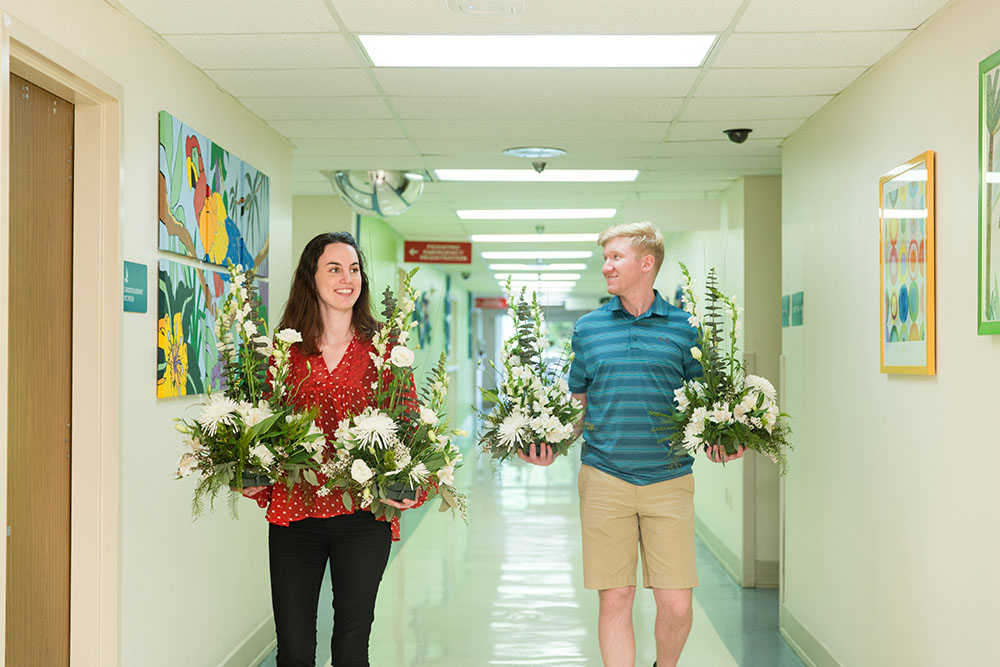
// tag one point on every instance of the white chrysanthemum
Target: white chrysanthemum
(692, 436)
(360, 471)
(401, 356)
(262, 454)
(419, 474)
(446, 475)
(762, 385)
(186, 465)
(373, 427)
(510, 428)
(219, 409)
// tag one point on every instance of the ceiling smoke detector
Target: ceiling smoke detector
(487, 7)
(377, 192)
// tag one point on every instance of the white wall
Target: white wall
(189, 592)
(313, 215)
(891, 503)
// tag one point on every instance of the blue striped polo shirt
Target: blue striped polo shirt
(628, 366)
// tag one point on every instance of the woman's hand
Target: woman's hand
(253, 492)
(538, 454)
(400, 504)
(718, 454)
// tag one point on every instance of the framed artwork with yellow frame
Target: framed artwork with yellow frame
(906, 267)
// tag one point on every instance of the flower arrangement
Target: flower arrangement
(249, 434)
(532, 403)
(403, 446)
(727, 406)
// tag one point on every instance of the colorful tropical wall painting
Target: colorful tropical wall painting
(187, 359)
(212, 206)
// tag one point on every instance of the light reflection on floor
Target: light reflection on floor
(508, 588)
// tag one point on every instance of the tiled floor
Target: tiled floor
(507, 589)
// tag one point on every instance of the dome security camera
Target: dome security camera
(738, 135)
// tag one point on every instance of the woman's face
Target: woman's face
(338, 277)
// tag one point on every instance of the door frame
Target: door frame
(97, 279)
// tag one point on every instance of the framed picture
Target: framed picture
(989, 195)
(906, 263)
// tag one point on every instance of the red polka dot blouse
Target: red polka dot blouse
(344, 391)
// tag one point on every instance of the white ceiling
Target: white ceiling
(298, 65)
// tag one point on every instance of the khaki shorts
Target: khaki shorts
(616, 516)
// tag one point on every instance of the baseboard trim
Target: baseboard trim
(252, 650)
(730, 561)
(767, 573)
(811, 650)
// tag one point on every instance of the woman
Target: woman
(329, 305)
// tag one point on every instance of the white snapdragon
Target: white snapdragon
(446, 475)
(681, 399)
(696, 352)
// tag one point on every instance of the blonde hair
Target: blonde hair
(642, 236)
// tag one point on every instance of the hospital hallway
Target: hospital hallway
(508, 588)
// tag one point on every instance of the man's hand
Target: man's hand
(718, 454)
(538, 454)
(400, 505)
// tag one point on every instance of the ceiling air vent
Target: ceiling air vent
(487, 7)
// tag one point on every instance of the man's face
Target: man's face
(623, 269)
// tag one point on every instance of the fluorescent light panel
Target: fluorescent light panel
(537, 267)
(542, 287)
(537, 254)
(547, 176)
(537, 50)
(533, 238)
(537, 214)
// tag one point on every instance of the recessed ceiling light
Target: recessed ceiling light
(541, 287)
(537, 213)
(537, 254)
(534, 152)
(537, 50)
(532, 176)
(559, 276)
(515, 276)
(533, 238)
(537, 267)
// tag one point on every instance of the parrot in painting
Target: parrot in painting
(220, 236)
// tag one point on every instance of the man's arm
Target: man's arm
(541, 454)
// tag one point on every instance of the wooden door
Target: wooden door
(40, 365)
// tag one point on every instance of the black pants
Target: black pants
(357, 548)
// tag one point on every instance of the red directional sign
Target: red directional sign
(495, 302)
(437, 252)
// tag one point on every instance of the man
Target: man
(630, 355)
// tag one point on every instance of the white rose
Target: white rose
(289, 336)
(360, 471)
(401, 356)
(427, 415)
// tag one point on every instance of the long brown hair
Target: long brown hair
(302, 309)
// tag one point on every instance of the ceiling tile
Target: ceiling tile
(231, 16)
(376, 147)
(752, 147)
(337, 129)
(716, 162)
(779, 16)
(492, 150)
(808, 49)
(498, 161)
(753, 108)
(585, 16)
(762, 129)
(234, 51)
(313, 108)
(537, 108)
(776, 82)
(423, 82)
(281, 83)
(534, 133)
